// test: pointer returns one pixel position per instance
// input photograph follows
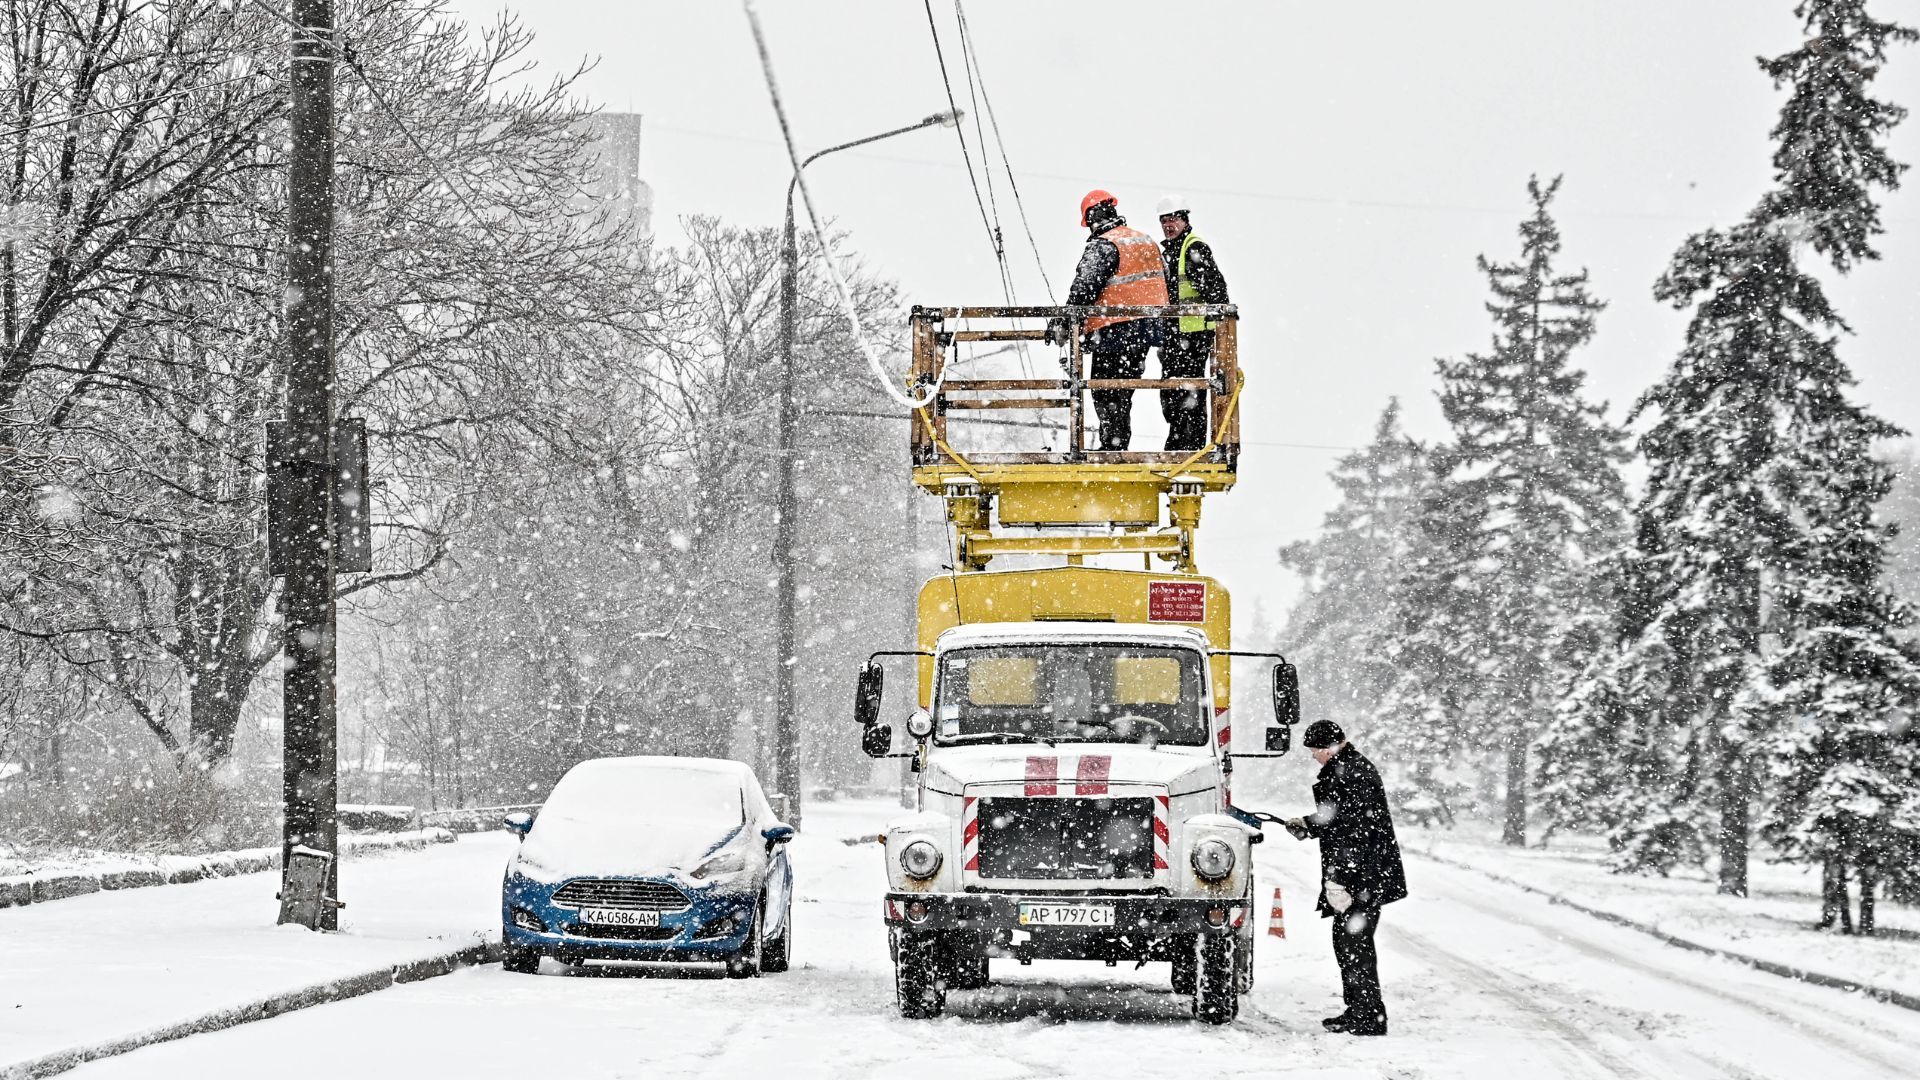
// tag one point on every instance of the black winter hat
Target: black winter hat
(1322, 734)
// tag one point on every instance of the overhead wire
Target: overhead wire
(966, 42)
(989, 205)
(827, 257)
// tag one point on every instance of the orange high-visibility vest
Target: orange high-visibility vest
(1141, 278)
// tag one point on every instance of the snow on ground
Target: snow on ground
(91, 968)
(1771, 924)
(1482, 980)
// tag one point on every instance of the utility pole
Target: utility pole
(786, 635)
(309, 769)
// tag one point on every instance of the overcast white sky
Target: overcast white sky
(1346, 161)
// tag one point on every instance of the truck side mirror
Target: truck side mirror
(1279, 739)
(866, 699)
(1286, 695)
(877, 740)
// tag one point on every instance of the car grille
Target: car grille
(620, 933)
(620, 894)
(1066, 839)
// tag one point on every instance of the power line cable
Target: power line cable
(966, 42)
(958, 129)
(827, 257)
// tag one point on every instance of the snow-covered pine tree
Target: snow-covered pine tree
(1838, 691)
(1349, 571)
(1524, 499)
(1757, 462)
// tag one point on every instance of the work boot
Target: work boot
(1337, 1023)
(1366, 1025)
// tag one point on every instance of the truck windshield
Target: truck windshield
(1071, 693)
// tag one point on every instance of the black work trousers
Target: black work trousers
(1359, 964)
(1124, 359)
(1184, 356)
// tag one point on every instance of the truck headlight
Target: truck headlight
(920, 860)
(1213, 859)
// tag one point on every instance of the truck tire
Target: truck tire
(1216, 983)
(1185, 960)
(918, 985)
(967, 973)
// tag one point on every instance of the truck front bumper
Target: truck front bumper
(1142, 927)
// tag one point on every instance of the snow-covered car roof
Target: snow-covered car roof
(641, 763)
(1010, 633)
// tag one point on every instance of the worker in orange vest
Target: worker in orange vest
(1119, 265)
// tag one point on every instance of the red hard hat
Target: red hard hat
(1095, 198)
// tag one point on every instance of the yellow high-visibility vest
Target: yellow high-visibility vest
(1186, 292)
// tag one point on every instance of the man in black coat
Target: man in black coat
(1360, 869)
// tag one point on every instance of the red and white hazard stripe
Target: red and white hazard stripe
(1160, 832)
(970, 833)
(1091, 774)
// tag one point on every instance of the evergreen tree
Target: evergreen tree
(1838, 690)
(1349, 571)
(1523, 501)
(1758, 512)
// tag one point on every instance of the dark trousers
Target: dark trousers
(1124, 359)
(1359, 963)
(1184, 356)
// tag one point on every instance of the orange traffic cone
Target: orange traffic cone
(1277, 922)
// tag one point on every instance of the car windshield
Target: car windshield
(650, 796)
(1071, 693)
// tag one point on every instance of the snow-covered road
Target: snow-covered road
(1482, 981)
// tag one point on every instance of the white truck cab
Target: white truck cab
(1071, 804)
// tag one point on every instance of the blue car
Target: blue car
(651, 858)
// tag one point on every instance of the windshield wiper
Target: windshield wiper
(986, 737)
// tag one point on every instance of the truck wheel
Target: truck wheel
(968, 973)
(1216, 985)
(917, 983)
(1184, 962)
(520, 961)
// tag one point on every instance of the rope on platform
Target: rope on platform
(1233, 403)
(944, 448)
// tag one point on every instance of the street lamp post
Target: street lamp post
(786, 725)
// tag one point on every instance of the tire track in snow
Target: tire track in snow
(1570, 1040)
(1846, 1043)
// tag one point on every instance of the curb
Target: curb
(340, 989)
(22, 889)
(1785, 971)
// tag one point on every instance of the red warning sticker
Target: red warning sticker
(1177, 601)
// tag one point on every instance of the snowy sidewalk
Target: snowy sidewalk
(1773, 925)
(104, 967)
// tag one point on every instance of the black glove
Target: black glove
(1059, 332)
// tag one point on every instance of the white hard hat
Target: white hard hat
(1172, 204)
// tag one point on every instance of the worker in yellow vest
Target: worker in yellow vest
(1196, 279)
(1119, 266)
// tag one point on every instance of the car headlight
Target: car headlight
(727, 862)
(920, 860)
(1213, 859)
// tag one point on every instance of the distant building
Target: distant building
(616, 173)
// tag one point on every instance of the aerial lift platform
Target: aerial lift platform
(1069, 501)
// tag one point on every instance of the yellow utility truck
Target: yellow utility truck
(1071, 733)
